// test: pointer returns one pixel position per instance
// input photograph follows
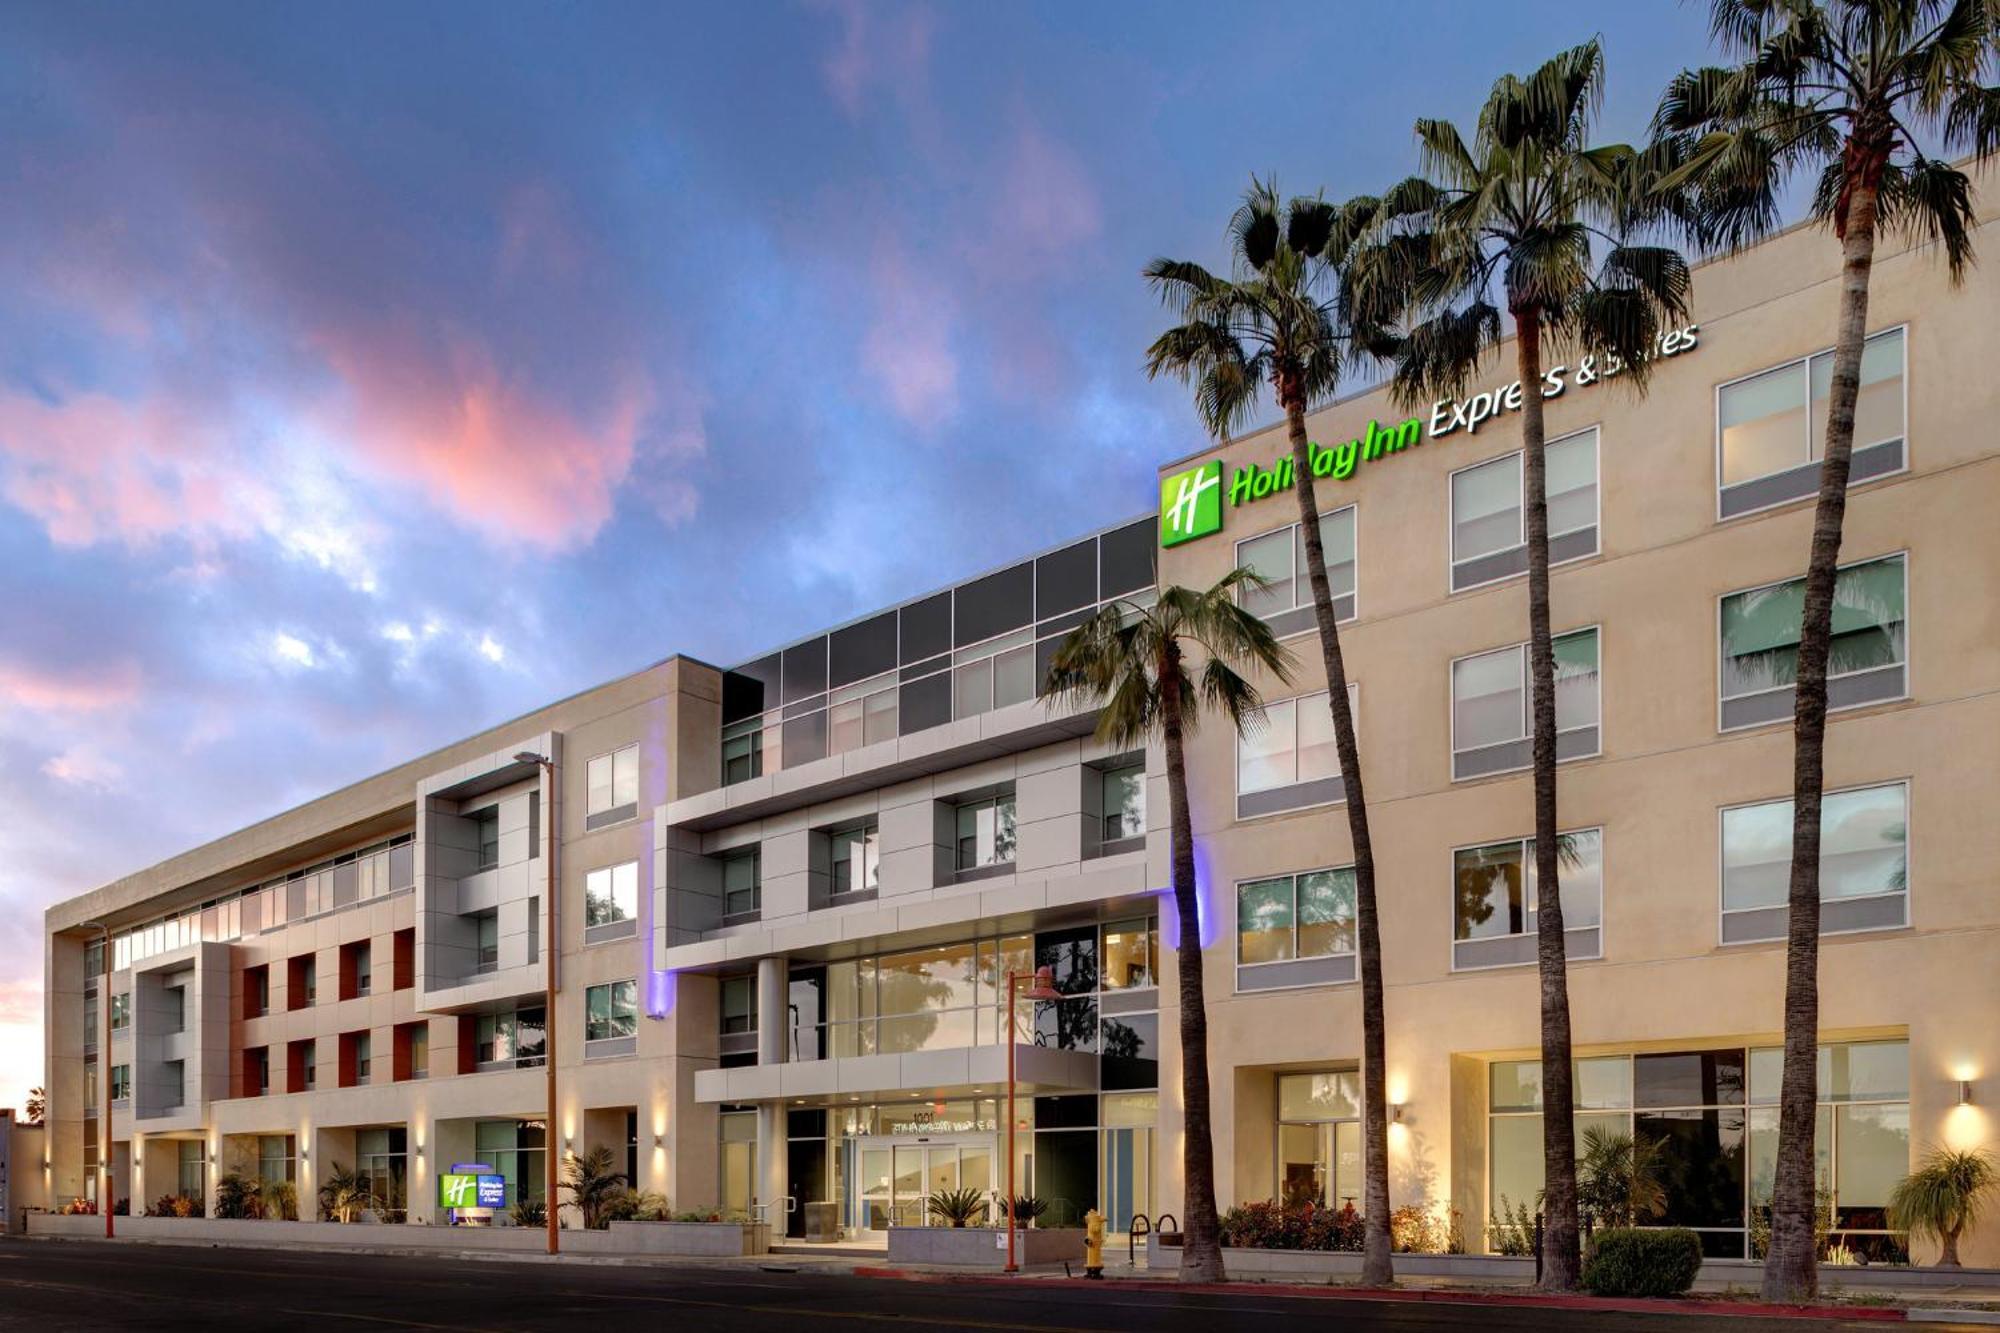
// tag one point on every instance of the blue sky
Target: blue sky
(372, 373)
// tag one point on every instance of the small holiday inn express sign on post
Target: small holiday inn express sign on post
(1191, 501)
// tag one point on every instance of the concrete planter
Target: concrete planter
(709, 1239)
(983, 1247)
(1345, 1265)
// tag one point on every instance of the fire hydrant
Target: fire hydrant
(1093, 1245)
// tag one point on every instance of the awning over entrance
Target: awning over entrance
(960, 1072)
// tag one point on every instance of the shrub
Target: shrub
(278, 1200)
(1636, 1261)
(1308, 1226)
(1027, 1208)
(652, 1208)
(238, 1196)
(621, 1206)
(529, 1213)
(1512, 1230)
(958, 1207)
(1416, 1229)
(174, 1205)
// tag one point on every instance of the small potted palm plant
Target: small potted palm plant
(958, 1207)
(1944, 1197)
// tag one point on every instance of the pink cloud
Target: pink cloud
(871, 52)
(908, 345)
(41, 690)
(1047, 202)
(82, 766)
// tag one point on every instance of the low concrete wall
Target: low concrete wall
(983, 1247)
(711, 1239)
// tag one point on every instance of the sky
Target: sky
(371, 373)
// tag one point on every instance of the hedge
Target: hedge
(1642, 1261)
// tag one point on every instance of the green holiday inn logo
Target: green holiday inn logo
(1191, 504)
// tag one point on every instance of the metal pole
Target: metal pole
(550, 949)
(104, 1201)
(1012, 1220)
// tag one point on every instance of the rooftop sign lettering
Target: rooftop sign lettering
(1191, 502)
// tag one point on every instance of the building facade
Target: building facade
(791, 893)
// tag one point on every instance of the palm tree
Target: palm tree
(1284, 318)
(1509, 225)
(1846, 87)
(1618, 1177)
(591, 1184)
(38, 1106)
(342, 1194)
(1944, 1197)
(1133, 661)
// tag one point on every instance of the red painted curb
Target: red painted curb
(1606, 1305)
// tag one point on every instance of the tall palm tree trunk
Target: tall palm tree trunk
(1559, 1232)
(1791, 1267)
(1376, 1267)
(1201, 1248)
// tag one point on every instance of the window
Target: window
(1493, 900)
(613, 787)
(1760, 643)
(257, 991)
(486, 941)
(1863, 864)
(742, 882)
(611, 895)
(1770, 428)
(856, 858)
(750, 747)
(309, 979)
(986, 833)
(1319, 1139)
(173, 1009)
(173, 1083)
(308, 1053)
(517, 1150)
(1713, 1115)
(1131, 955)
(739, 1004)
(611, 1011)
(190, 1162)
(121, 1082)
(413, 1050)
(487, 822)
(1291, 760)
(993, 674)
(1488, 541)
(275, 1162)
(516, 1035)
(364, 1056)
(364, 967)
(1492, 724)
(863, 713)
(121, 1010)
(381, 1169)
(1124, 795)
(260, 1071)
(1279, 557)
(1295, 930)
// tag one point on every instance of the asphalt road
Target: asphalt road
(48, 1285)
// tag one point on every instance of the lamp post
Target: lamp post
(550, 949)
(105, 1190)
(1043, 988)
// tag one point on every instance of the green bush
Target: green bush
(1642, 1261)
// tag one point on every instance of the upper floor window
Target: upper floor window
(519, 1035)
(486, 941)
(611, 895)
(863, 713)
(1864, 869)
(1124, 802)
(1279, 558)
(487, 822)
(1284, 921)
(749, 747)
(121, 1082)
(1488, 539)
(1770, 427)
(1492, 726)
(121, 1010)
(364, 1056)
(986, 832)
(613, 787)
(742, 882)
(1760, 643)
(1494, 899)
(1291, 760)
(738, 1004)
(856, 859)
(611, 1011)
(993, 674)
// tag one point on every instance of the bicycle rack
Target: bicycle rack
(1140, 1227)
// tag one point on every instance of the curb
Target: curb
(1390, 1296)
(1944, 1316)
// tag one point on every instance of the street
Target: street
(56, 1285)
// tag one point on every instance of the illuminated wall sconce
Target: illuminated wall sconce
(1396, 1113)
(420, 1152)
(656, 1141)
(1965, 1092)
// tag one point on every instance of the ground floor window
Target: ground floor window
(1319, 1139)
(190, 1176)
(517, 1150)
(275, 1158)
(381, 1161)
(738, 1174)
(1714, 1114)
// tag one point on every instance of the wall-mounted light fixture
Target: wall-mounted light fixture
(1396, 1113)
(656, 1140)
(1965, 1092)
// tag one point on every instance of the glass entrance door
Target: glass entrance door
(896, 1177)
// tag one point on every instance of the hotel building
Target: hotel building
(790, 891)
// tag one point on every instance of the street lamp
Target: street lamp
(105, 1190)
(1043, 987)
(550, 949)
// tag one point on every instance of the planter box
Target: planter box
(709, 1239)
(983, 1247)
(1345, 1265)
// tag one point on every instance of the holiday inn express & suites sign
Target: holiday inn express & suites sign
(1192, 501)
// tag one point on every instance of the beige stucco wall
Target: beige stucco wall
(1665, 770)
